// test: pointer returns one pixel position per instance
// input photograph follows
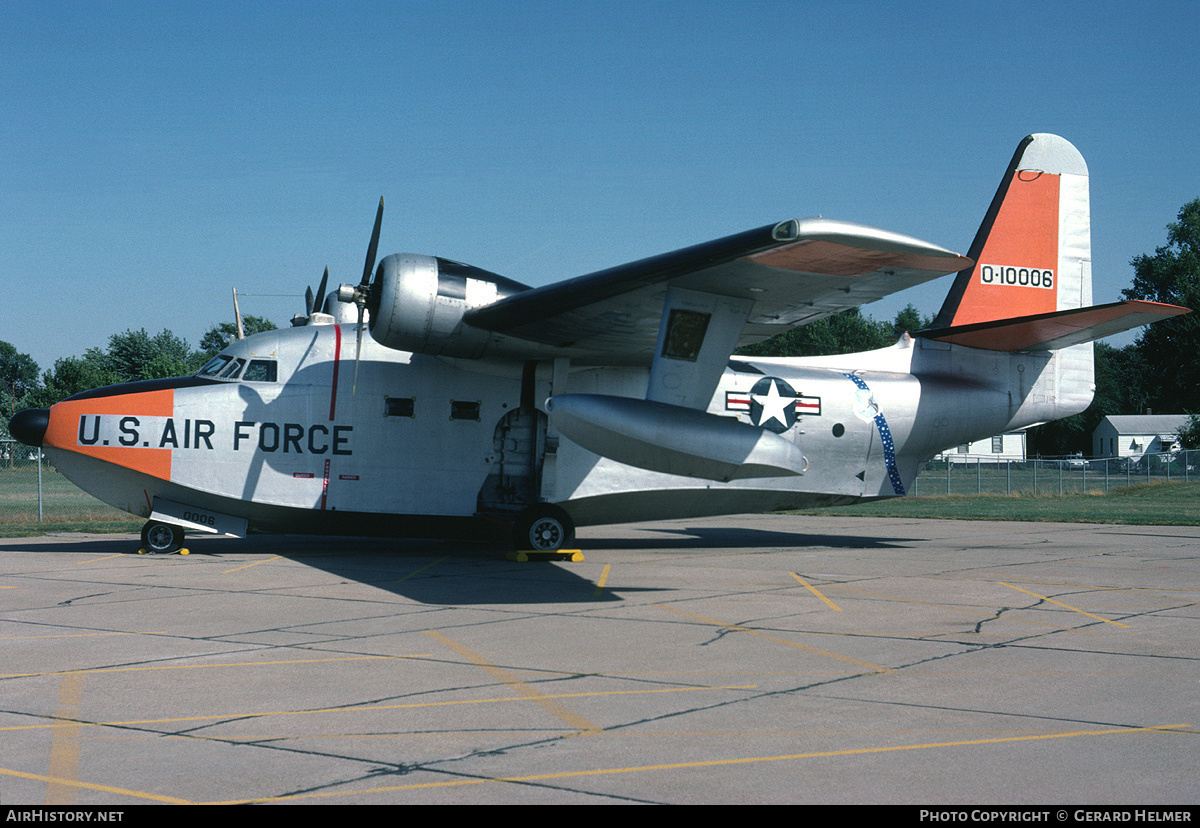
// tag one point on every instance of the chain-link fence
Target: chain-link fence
(32, 491)
(967, 475)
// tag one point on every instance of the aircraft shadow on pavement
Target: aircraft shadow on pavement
(734, 538)
(460, 573)
(445, 573)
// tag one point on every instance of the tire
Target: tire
(543, 528)
(161, 538)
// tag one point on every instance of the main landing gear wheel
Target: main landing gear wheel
(161, 538)
(543, 528)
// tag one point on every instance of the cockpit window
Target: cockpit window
(213, 366)
(231, 371)
(222, 367)
(225, 367)
(261, 370)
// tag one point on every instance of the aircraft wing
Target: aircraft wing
(775, 277)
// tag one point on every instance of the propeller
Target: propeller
(321, 292)
(358, 294)
(310, 302)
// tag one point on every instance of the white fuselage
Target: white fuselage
(418, 443)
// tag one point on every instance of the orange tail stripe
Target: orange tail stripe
(1025, 235)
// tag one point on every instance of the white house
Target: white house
(1010, 446)
(1133, 435)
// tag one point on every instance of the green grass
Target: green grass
(1162, 504)
(67, 508)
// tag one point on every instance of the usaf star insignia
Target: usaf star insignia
(773, 405)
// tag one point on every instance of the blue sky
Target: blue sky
(152, 156)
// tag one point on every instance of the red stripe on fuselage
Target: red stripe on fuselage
(337, 360)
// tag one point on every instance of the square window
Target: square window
(399, 406)
(464, 410)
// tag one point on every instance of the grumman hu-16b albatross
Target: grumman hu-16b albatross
(478, 403)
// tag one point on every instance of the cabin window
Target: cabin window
(965, 448)
(399, 406)
(998, 444)
(464, 409)
(261, 370)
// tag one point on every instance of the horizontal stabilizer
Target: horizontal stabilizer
(1052, 331)
(672, 439)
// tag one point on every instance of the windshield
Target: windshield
(213, 366)
(223, 367)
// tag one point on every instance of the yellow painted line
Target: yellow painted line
(419, 571)
(105, 558)
(204, 666)
(814, 591)
(874, 668)
(547, 703)
(1096, 587)
(709, 764)
(88, 786)
(64, 743)
(601, 581)
(247, 566)
(367, 708)
(1067, 606)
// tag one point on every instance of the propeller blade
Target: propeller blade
(361, 297)
(308, 301)
(321, 290)
(357, 351)
(370, 266)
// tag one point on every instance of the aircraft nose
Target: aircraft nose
(29, 426)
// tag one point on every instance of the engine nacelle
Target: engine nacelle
(417, 303)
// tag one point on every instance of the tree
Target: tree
(1168, 348)
(910, 321)
(218, 336)
(1189, 433)
(71, 375)
(130, 356)
(135, 355)
(847, 332)
(18, 372)
(18, 377)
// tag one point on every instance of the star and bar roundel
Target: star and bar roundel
(772, 404)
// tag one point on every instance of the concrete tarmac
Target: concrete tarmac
(768, 659)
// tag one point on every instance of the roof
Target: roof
(1146, 423)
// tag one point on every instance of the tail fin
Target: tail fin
(1033, 251)
(1031, 285)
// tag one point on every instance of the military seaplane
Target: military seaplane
(481, 407)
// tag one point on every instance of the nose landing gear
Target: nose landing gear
(162, 538)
